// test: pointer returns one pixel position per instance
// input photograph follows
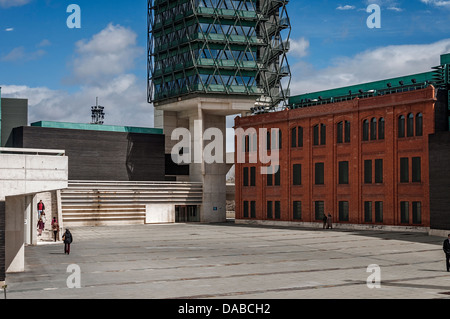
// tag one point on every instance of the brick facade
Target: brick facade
(384, 179)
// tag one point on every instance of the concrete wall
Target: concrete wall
(160, 213)
(21, 176)
(16, 207)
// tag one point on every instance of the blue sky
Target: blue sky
(62, 70)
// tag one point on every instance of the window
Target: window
(269, 176)
(417, 212)
(294, 137)
(269, 210)
(277, 210)
(343, 211)
(378, 212)
(343, 132)
(401, 126)
(379, 171)
(253, 176)
(419, 124)
(381, 127)
(365, 130)
(340, 133)
(410, 125)
(268, 140)
(297, 174)
(404, 212)
(368, 212)
(319, 173)
(245, 176)
(277, 176)
(276, 141)
(343, 172)
(253, 209)
(416, 170)
(316, 135)
(319, 134)
(373, 129)
(300, 136)
(347, 132)
(297, 210)
(280, 139)
(404, 170)
(323, 134)
(245, 209)
(319, 209)
(368, 172)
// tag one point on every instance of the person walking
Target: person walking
(55, 228)
(40, 208)
(329, 221)
(67, 238)
(40, 226)
(324, 220)
(446, 249)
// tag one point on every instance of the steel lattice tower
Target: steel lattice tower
(224, 47)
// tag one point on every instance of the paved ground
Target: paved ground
(234, 261)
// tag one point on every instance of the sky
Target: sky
(62, 70)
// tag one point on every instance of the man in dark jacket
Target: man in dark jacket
(67, 238)
(447, 252)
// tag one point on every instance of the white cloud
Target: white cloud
(299, 48)
(123, 94)
(13, 3)
(108, 53)
(9, 29)
(437, 3)
(346, 7)
(20, 55)
(371, 65)
(124, 99)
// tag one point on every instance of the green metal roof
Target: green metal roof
(377, 85)
(95, 127)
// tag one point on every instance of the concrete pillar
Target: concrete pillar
(2, 242)
(14, 239)
(199, 115)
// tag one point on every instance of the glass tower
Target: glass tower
(218, 47)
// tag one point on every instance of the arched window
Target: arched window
(365, 129)
(373, 129)
(419, 124)
(401, 126)
(340, 136)
(410, 125)
(347, 132)
(316, 135)
(381, 124)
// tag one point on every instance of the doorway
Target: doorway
(186, 214)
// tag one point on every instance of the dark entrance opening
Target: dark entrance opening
(187, 214)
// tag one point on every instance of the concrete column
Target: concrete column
(28, 218)
(2, 242)
(14, 239)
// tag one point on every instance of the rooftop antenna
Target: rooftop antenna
(98, 116)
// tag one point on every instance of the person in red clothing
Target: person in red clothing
(40, 208)
(41, 226)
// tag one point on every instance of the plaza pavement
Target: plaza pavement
(199, 261)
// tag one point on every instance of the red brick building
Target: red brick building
(364, 161)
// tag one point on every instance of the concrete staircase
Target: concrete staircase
(94, 203)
